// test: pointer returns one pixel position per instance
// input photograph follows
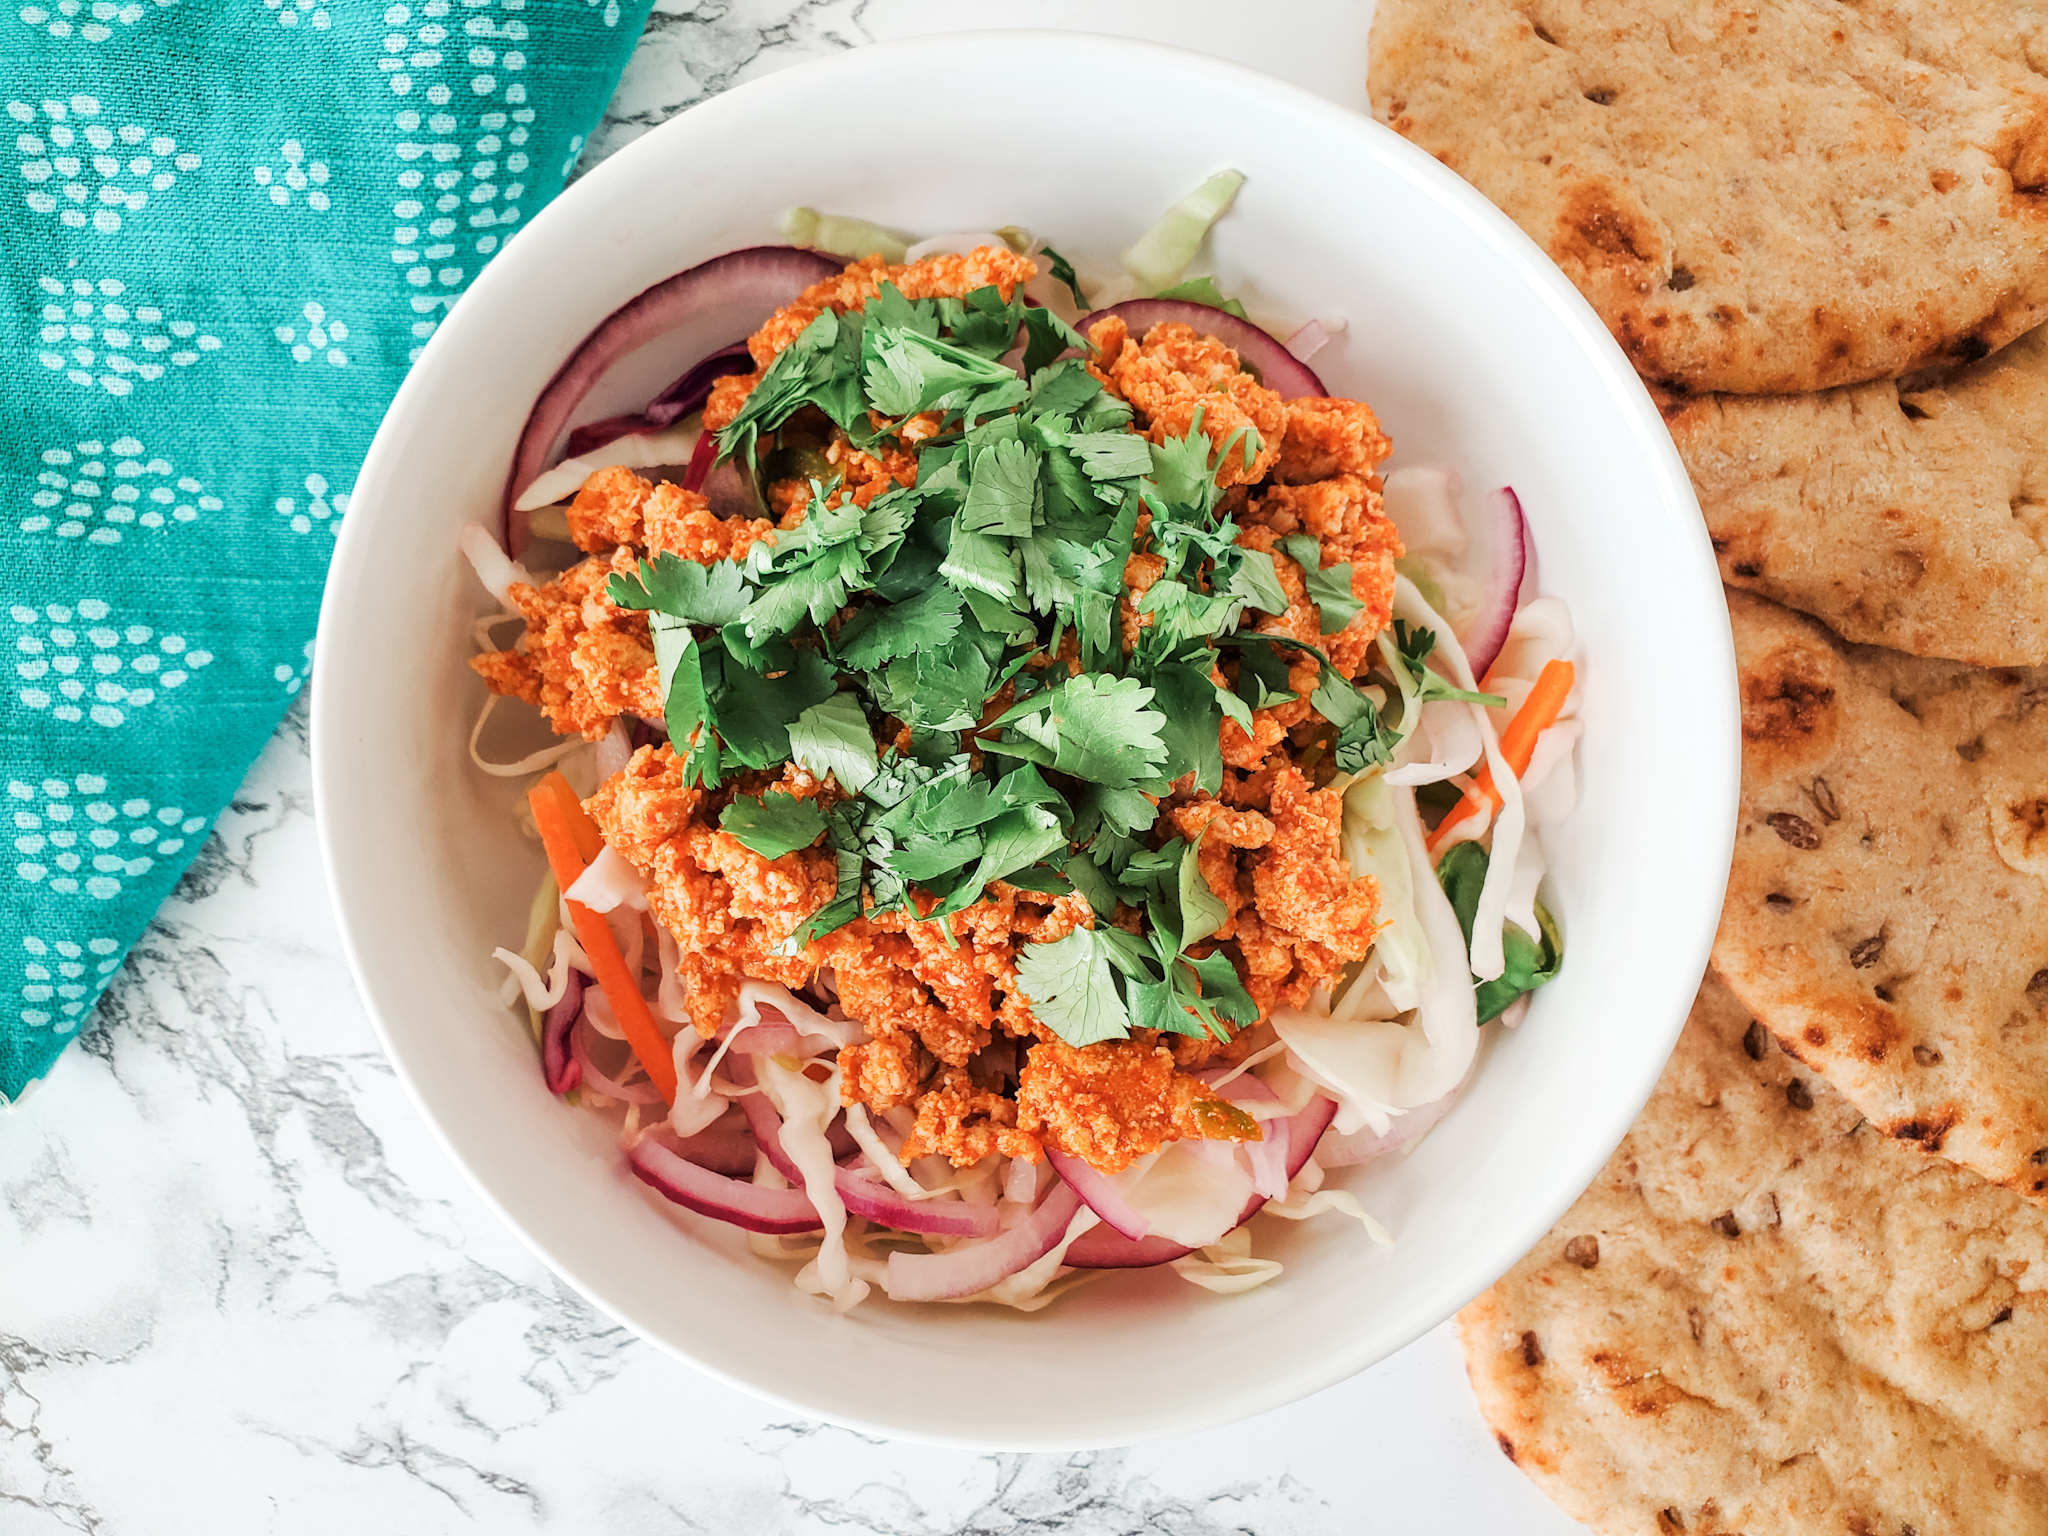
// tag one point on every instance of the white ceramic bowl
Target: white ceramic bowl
(1476, 354)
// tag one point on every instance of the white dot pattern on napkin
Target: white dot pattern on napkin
(314, 334)
(94, 23)
(76, 662)
(87, 172)
(94, 335)
(59, 975)
(323, 507)
(74, 838)
(295, 178)
(465, 149)
(95, 490)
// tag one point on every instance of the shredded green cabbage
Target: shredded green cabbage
(1372, 846)
(837, 235)
(1162, 254)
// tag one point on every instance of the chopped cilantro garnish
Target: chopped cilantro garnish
(1415, 645)
(1063, 272)
(1072, 989)
(775, 824)
(952, 654)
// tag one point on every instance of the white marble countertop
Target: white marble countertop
(243, 1290)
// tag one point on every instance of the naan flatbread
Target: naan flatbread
(1887, 913)
(1765, 1317)
(1755, 198)
(1914, 518)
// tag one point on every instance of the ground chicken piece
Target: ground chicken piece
(1344, 516)
(1191, 1053)
(868, 475)
(881, 1072)
(728, 908)
(681, 523)
(1112, 1103)
(644, 804)
(1303, 884)
(1329, 437)
(963, 1123)
(583, 659)
(1221, 832)
(875, 969)
(607, 510)
(951, 276)
(727, 396)
(1177, 372)
(1141, 570)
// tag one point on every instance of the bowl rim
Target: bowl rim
(1526, 262)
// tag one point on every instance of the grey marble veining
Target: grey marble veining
(242, 1289)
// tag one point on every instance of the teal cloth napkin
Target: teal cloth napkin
(226, 228)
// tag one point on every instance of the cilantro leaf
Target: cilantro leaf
(1262, 674)
(1202, 911)
(775, 824)
(754, 712)
(1106, 732)
(1002, 488)
(907, 372)
(879, 634)
(1047, 336)
(1188, 701)
(833, 736)
(1329, 590)
(1110, 455)
(1071, 989)
(685, 589)
(1254, 579)
(1531, 960)
(1415, 645)
(1063, 272)
(686, 694)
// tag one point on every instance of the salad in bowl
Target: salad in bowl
(1034, 793)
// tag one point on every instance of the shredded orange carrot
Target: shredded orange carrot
(572, 841)
(1517, 744)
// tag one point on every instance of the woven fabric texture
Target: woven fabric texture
(227, 227)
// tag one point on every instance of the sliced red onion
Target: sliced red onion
(1101, 1248)
(557, 1065)
(729, 296)
(1487, 633)
(870, 1197)
(1365, 1145)
(593, 435)
(1305, 1129)
(976, 1266)
(727, 1147)
(752, 1206)
(701, 458)
(866, 1195)
(1268, 1155)
(1275, 367)
(1104, 1248)
(1099, 1193)
(690, 392)
(600, 1081)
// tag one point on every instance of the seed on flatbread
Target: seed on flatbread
(1914, 518)
(1760, 198)
(1897, 949)
(1869, 1354)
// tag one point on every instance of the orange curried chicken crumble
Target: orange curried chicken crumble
(950, 1037)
